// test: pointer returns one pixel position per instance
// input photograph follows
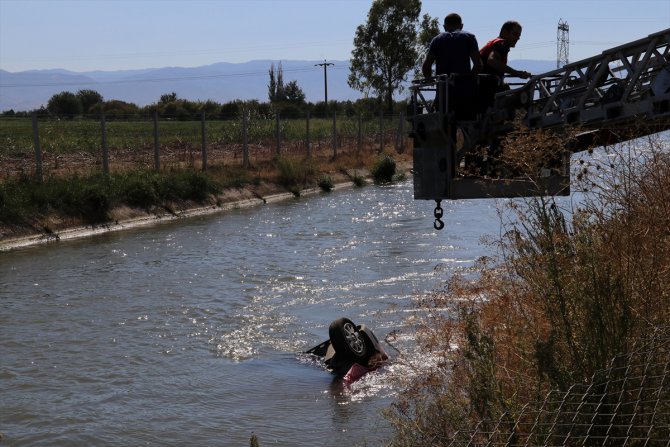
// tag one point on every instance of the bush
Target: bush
(292, 172)
(139, 190)
(358, 180)
(326, 183)
(384, 169)
(94, 204)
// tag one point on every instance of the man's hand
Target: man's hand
(522, 74)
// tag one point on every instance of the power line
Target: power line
(144, 80)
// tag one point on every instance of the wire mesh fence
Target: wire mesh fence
(57, 145)
(627, 404)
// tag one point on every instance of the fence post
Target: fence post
(204, 141)
(360, 132)
(334, 135)
(400, 137)
(308, 142)
(245, 144)
(381, 130)
(157, 158)
(38, 151)
(277, 134)
(105, 149)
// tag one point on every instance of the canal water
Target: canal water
(191, 332)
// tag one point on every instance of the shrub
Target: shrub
(384, 169)
(326, 183)
(292, 172)
(358, 180)
(139, 190)
(94, 204)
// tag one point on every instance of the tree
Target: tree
(167, 98)
(64, 104)
(88, 99)
(117, 109)
(429, 28)
(293, 94)
(276, 85)
(385, 48)
(287, 99)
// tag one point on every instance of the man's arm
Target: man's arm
(495, 61)
(427, 67)
(476, 59)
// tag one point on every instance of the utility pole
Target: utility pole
(562, 43)
(325, 65)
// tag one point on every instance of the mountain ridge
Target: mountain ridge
(221, 82)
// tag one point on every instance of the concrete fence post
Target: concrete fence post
(105, 149)
(359, 147)
(38, 152)
(381, 131)
(203, 141)
(278, 134)
(334, 135)
(245, 143)
(157, 158)
(308, 141)
(400, 138)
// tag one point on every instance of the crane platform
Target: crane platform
(463, 124)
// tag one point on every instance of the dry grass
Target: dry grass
(567, 290)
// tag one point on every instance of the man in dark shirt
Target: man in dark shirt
(452, 50)
(494, 53)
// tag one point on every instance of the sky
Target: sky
(110, 35)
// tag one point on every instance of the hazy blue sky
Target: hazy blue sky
(83, 35)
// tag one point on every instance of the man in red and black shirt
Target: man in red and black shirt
(494, 53)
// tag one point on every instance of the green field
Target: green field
(64, 136)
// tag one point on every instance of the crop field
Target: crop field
(75, 145)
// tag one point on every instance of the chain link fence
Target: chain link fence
(627, 404)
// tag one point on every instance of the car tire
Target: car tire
(348, 341)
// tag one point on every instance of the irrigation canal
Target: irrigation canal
(190, 332)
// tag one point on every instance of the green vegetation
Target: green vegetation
(385, 48)
(358, 180)
(569, 290)
(293, 173)
(90, 198)
(384, 169)
(325, 183)
(84, 135)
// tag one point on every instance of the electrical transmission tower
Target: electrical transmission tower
(562, 43)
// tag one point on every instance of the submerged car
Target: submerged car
(351, 351)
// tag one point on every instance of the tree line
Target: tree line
(387, 49)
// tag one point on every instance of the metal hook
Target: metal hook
(438, 224)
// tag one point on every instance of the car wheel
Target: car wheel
(348, 341)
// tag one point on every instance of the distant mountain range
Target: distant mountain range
(221, 82)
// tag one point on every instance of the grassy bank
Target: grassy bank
(571, 288)
(29, 207)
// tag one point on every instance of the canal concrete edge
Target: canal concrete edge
(152, 219)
